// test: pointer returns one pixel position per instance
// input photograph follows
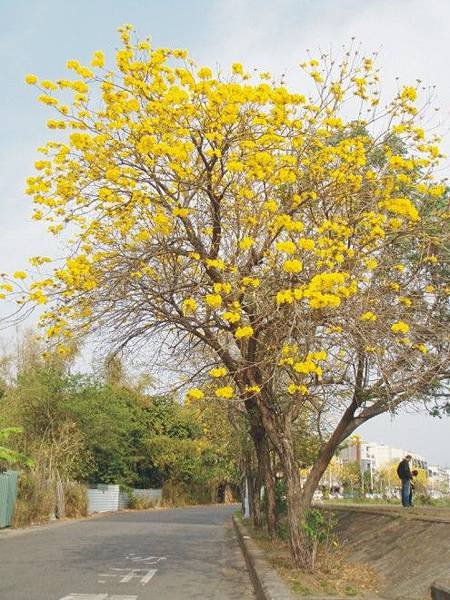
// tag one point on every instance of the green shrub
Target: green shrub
(318, 528)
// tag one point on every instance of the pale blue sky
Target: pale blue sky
(39, 36)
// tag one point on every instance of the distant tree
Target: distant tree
(8, 456)
(351, 478)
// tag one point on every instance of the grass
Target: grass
(333, 576)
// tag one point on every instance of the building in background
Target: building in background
(374, 455)
(438, 481)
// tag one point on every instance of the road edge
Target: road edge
(267, 584)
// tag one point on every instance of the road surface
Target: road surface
(179, 554)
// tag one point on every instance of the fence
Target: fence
(106, 498)
(8, 495)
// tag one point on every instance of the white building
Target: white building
(373, 456)
(439, 480)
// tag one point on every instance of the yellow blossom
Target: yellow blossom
(246, 243)
(195, 394)
(244, 332)
(98, 59)
(422, 348)
(287, 246)
(368, 316)
(293, 266)
(30, 79)
(405, 301)
(189, 306)
(231, 316)
(400, 327)
(224, 392)
(255, 389)
(306, 243)
(218, 372)
(180, 212)
(297, 389)
(213, 300)
(285, 297)
(254, 282)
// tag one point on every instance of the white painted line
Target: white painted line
(73, 596)
(147, 577)
(152, 560)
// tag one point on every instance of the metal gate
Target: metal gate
(8, 495)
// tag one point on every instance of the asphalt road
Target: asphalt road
(147, 555)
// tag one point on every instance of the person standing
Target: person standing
(405, 475)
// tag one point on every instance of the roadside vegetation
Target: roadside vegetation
(330, 573)
(72, 429)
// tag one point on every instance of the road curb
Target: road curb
(266, 581)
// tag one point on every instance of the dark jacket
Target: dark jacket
(403, 470)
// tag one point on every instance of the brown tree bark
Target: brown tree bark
(295, 509)
(265, 474)
(265, 465)
(255, 499)
(345, 427)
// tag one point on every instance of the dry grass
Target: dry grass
(334, 575)
(139, 503)
(35, 501)
(76, 500)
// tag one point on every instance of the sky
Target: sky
(411, 37)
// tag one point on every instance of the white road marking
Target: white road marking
(150, 560)
(85, 597)
(97, 597)
(147, 577)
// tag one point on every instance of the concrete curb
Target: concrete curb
(266, 581)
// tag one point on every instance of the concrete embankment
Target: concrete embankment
(409, 548)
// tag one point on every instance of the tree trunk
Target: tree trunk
(60, 509)
(343, 429)
(269, 481)
(313, 478)
(266, 475)
(255, 500)
(295, 510)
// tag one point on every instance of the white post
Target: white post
(246, 502)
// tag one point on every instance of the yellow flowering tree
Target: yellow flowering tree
(228, 216)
